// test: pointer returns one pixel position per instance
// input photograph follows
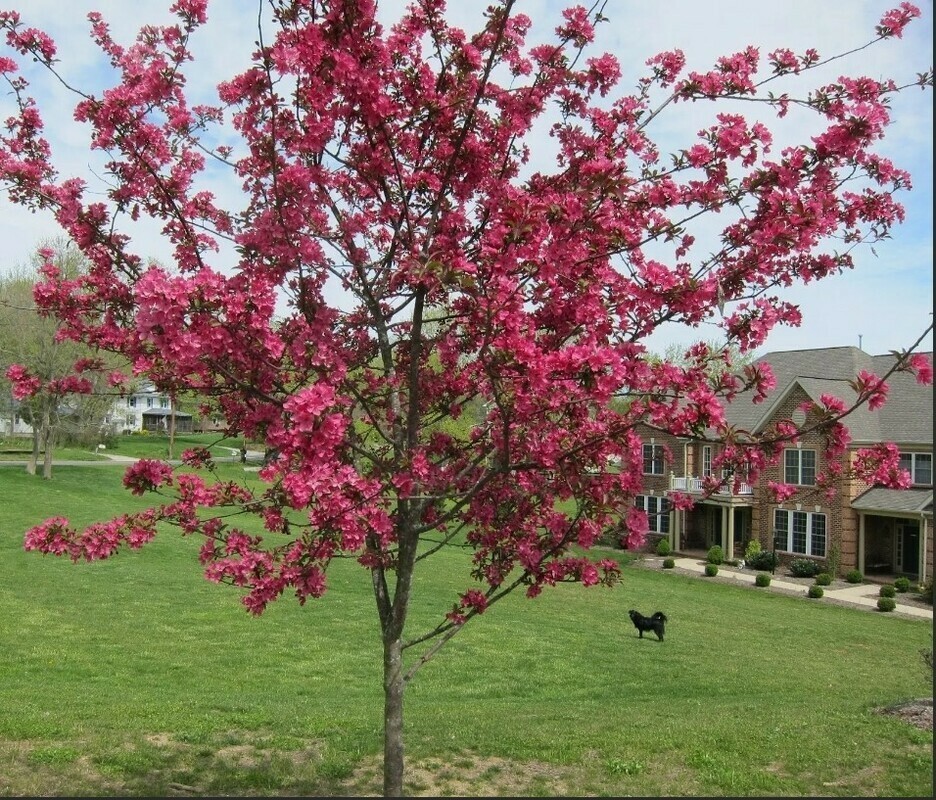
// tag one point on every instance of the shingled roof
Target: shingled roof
(895, 501)
(906, 418)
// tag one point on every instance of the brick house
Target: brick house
(869, 528)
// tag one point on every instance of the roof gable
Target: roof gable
(906, 417)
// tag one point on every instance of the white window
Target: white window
(149, 402)
(920, 467)
(131, 402)
(706, 461)
(164, 402)
(657, 509)
(653, 459)
(800, 532)
(799, 467)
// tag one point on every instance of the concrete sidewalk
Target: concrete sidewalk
(864, 594)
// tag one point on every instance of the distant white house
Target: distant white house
(12, 424)
(147, 409)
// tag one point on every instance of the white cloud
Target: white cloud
(886, 301)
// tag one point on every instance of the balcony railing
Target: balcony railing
(693, 485)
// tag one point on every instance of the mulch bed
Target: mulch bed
(918, 713)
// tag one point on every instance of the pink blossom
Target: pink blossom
(781, 491)
(922, 368)
(197, 457)
(194, 10)
(474, 600)
(871, 388)
(147, 475)
(832, 403)
(577, 27)
(52, 536)
(880, 466)
(894, 21)
(784, 60)
(668, 66)
(24, 384)
(636, 528)
(307, 405)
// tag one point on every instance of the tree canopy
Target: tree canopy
(395, 164)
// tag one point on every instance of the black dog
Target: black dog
(654, 623)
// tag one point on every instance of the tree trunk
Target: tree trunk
(172, 408)
(33, 459)
(47, 445)
(393, 719)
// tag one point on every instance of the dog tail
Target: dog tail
(660, 616)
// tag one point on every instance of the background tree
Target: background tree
(713, 356)
(15, 304)
(394, 166)
(68, 405)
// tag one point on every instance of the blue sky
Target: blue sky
(884, 304)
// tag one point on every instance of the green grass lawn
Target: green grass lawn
(135, 676)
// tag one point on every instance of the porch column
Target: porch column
(675, 528)
(924, 535)
(724, 535)
(729, 550)
(861, 542)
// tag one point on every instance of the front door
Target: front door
(714, 530)
(742, 530)
(908, 548)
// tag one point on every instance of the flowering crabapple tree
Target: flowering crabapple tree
(395, 163)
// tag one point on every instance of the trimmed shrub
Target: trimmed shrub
(669, 563)
(804, 568)
(887, 590)
(854, 576)
(762, 579)
(886, 604)
(763, 560)
(815, 591)
(711, 570)
(715, 555)
(664, 548)
(823, 579)
(752, 550)
(902, 584)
